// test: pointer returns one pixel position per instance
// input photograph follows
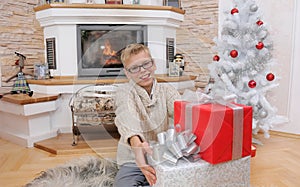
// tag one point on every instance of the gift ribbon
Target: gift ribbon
(172, 146)
(216, 119)
(238, 131)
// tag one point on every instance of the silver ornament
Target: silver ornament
(253, 8)
(231, 75)
(263, 114)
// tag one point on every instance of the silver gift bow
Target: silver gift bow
(172, 146)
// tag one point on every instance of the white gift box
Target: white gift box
(201, 173)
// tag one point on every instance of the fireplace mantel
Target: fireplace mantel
(109, 6)
(53, 14)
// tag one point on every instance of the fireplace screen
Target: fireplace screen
(100, 47)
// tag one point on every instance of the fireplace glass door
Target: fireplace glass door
(100, 47)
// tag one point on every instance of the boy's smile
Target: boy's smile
(140, 68)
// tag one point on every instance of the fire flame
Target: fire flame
(109, 54)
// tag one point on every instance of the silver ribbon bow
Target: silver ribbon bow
(172, 146)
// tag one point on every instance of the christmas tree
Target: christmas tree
(241, 68)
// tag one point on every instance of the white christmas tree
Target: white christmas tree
(242, 65)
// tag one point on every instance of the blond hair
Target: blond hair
(133, 49)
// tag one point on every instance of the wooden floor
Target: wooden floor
(277, 162)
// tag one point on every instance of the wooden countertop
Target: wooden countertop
(23, 99)
(69, 80)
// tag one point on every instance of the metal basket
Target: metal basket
(92, 105)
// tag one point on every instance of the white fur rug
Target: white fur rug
(86, 171)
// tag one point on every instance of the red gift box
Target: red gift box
(223, 132)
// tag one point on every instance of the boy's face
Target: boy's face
(145, 65)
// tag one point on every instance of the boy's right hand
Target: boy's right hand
(140, 149)
(149, 173)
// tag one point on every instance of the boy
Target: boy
(143, 111)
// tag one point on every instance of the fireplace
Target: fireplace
(102, 26)
(100, 46)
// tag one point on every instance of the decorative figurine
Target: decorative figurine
(179, 60)
(176, 67)
(20, 84)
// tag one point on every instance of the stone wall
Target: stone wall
(195, 36)
(21, 32)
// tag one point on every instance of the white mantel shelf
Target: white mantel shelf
(109, 6)
(51, 14)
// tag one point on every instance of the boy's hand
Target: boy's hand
(149, 173)
(140, 149)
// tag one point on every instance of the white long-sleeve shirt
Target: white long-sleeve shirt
(138, 114)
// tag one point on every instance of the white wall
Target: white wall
(294, 87)
(282, 18)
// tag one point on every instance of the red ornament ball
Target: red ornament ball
(216, 58)
(234, 53)
(252, 84)
(270, 76)
(234, 11)
(260, 45)
(259, 22)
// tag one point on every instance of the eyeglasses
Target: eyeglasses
(146, 65)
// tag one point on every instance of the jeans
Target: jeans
(130, 175)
